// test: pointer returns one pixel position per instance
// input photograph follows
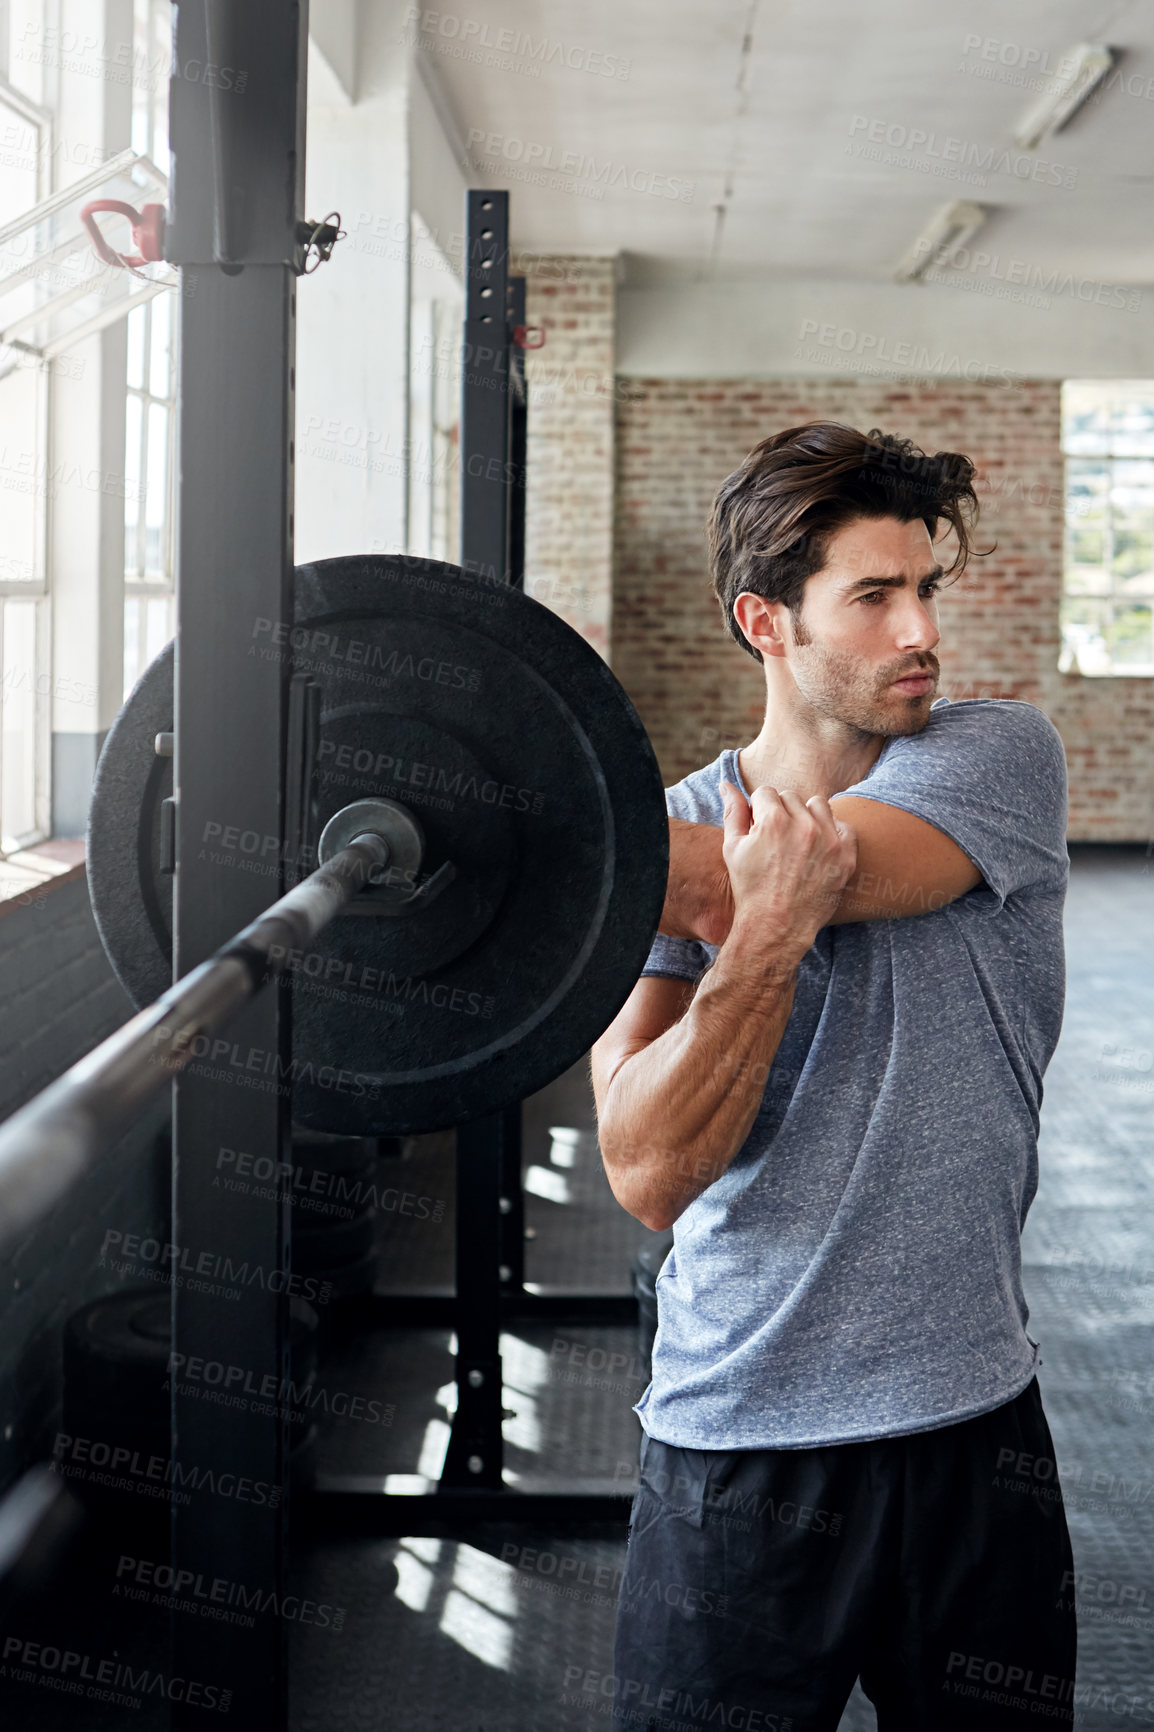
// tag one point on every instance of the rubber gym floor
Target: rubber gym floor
(512, 1630)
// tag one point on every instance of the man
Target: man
(827, 1081)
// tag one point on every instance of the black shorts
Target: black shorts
(760, 1583)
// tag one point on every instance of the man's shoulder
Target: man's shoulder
(697, 797)
(1005, 728)
(1004, 714)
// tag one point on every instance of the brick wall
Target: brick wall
(569, 510)
(60, 999)
(696, 690)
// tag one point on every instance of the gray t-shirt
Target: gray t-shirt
(856, 1272)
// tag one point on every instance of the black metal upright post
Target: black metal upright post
(475, 1453)
(512, 1248)
(238, 175)
(484, 438)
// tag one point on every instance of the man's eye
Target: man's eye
(873, 595)
(931, 588)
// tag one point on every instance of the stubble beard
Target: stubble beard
(848, 689)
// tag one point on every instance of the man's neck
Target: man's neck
(810, 755)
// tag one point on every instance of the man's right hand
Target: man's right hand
(789, 861)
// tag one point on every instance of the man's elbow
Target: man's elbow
(632, 1188)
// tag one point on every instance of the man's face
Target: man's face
(862, 651)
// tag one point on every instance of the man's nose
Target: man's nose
(917, 628)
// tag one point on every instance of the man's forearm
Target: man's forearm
(676, 1113)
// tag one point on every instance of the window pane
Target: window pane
(18, 763)
(19, 163)
(28, 53)
(21, 474)
(1083, 637)
(133, 666)
(158, 372)
(155, 560)
(137, 320)
(132, 416)
(159, 629)
(1132, 639)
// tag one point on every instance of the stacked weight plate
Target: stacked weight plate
(334, 1212)
(113, 1447)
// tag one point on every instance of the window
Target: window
(1108, 581)
(148, 493)
(24, 682)
(150, 411)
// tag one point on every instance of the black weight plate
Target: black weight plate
(441, 666)
(318, 1151)
(527, 767)
(116, 1352)
(131, 898)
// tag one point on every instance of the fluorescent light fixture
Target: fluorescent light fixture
(947, 230)
(1080, 71)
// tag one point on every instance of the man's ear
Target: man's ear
(763, 622)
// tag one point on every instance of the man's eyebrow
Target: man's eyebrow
(889, 582)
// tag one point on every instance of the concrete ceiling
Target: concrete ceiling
(756, 110)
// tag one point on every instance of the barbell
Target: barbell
(523, 808)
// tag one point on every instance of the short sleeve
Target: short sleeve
(991, 775)
(697, 799)
(683, 958)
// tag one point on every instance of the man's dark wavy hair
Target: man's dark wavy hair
(772, 519)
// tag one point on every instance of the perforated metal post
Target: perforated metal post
(488, 1147)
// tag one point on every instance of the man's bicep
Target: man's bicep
(654, 1005)
(904, 864)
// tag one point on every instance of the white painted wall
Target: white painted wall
(352, 341)
(788, 330)
(438, 173)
